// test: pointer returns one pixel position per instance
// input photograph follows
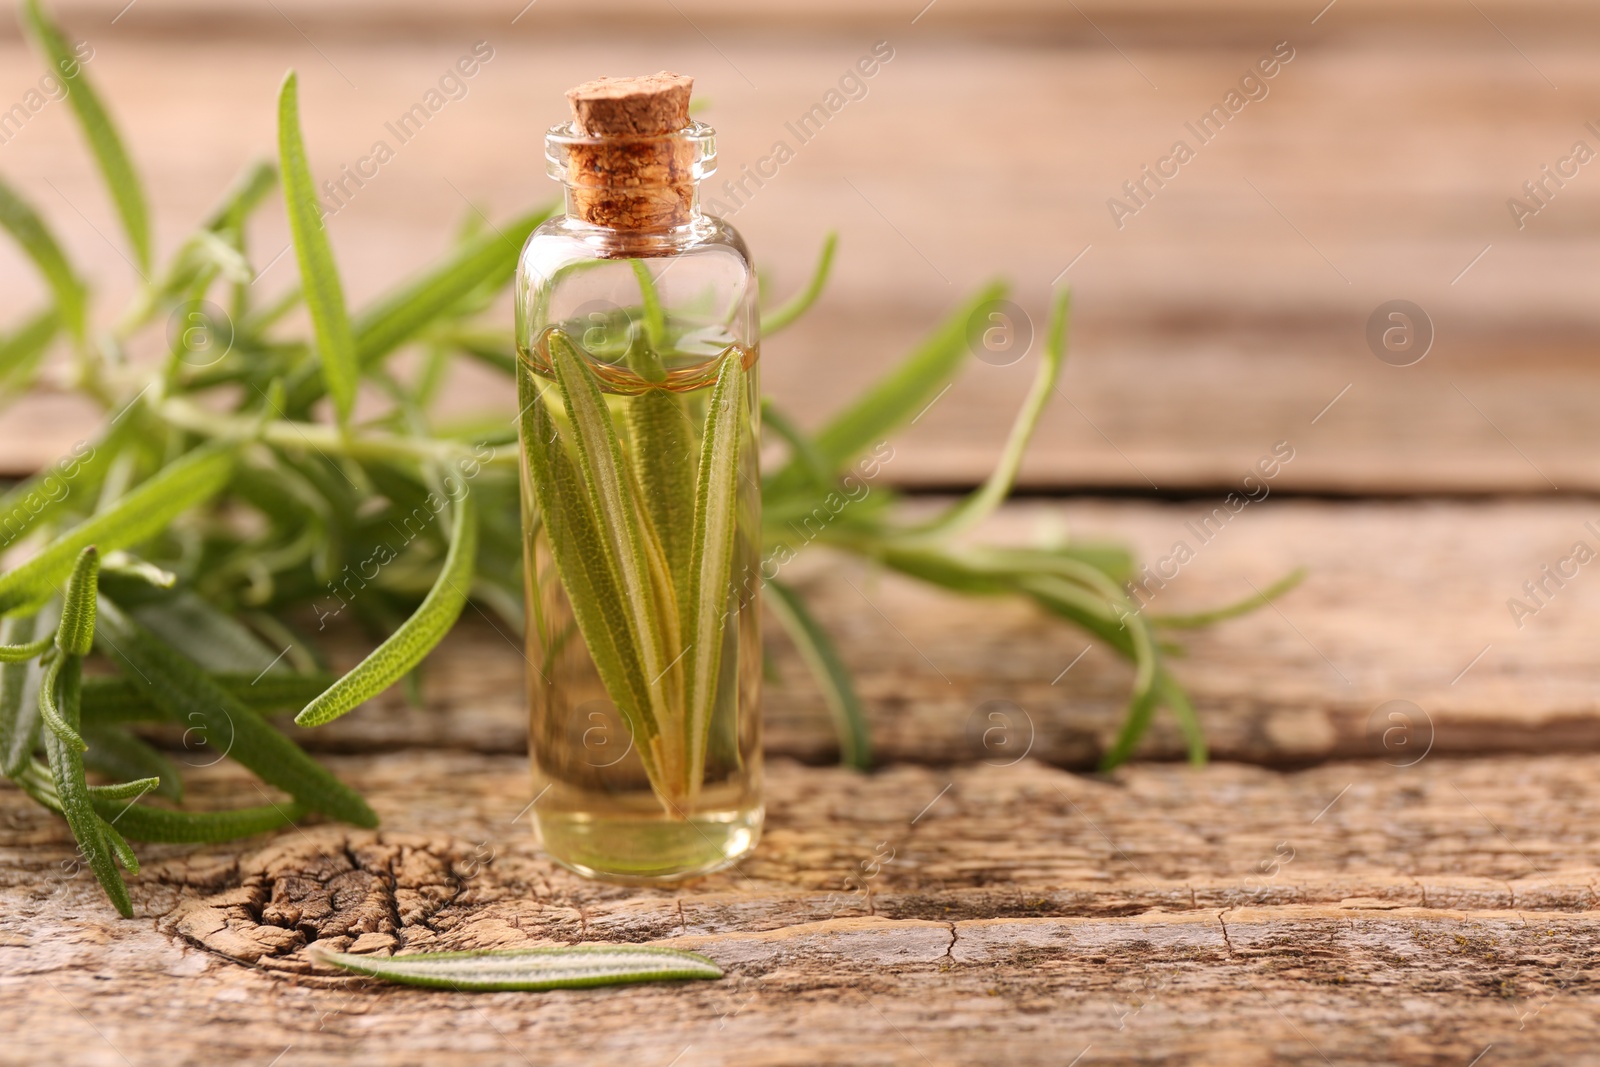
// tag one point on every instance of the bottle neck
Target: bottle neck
(633, 184)
(645, 210)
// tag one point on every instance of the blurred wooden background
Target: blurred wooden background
(1226, 315)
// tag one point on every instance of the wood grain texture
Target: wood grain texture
(962, 900)
(1234, 915)
(1404, 602)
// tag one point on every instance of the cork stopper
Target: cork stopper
(646, 106)
(632, 173)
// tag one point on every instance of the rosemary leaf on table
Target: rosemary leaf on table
(532, 969)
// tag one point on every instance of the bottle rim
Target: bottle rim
(698, 139)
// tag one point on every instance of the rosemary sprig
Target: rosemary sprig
(250, 514)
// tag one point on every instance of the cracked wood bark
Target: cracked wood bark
(1232, 916)
(1401, 600)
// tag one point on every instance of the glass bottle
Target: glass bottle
(637, 380)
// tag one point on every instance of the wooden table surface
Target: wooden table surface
(1339, 886)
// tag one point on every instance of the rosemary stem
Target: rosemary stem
(285, 433)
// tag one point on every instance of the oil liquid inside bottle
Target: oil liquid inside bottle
(599, 809)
